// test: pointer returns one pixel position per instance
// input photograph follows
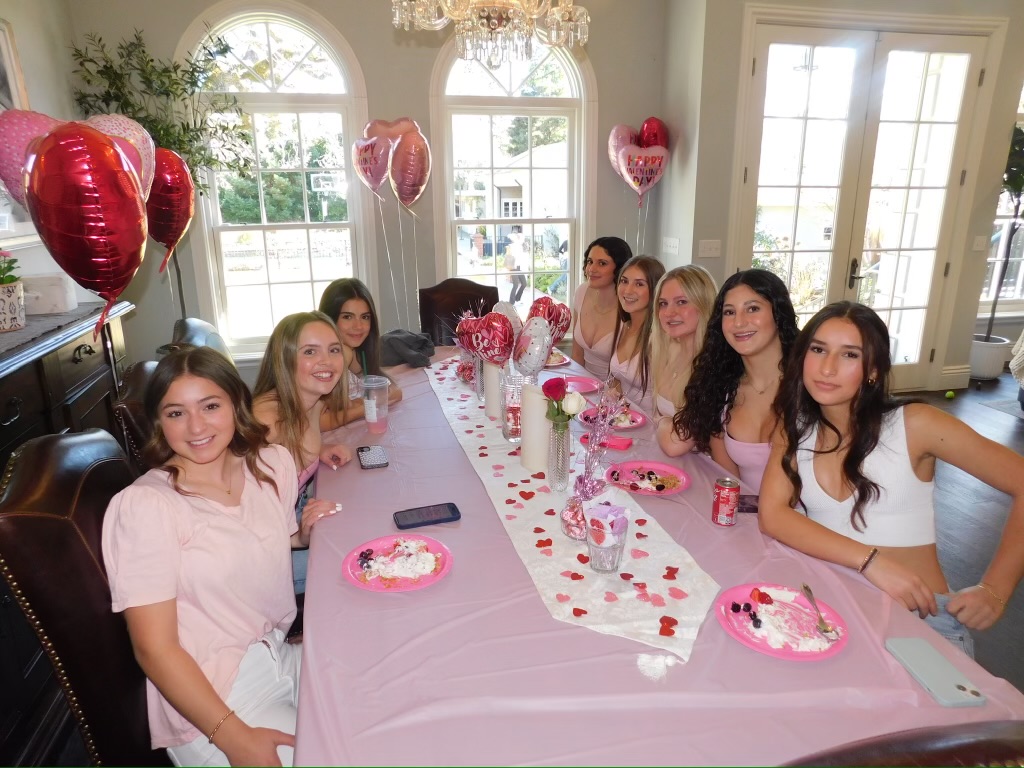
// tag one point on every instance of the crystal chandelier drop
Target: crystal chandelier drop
(494, 31)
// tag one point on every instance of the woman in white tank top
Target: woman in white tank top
(860, 466)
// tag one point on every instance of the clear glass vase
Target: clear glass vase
(511, 407)
(558, 456)
(478, 377)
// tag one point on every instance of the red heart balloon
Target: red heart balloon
(171, 203)
(86, 203)
(653, 133)
(489, 337)
(558, 316)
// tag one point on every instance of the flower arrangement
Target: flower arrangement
(562, 404)
(7, 268)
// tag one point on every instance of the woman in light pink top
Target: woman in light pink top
(197, 555)
(593, 314)
(630, 363)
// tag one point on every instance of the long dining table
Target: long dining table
(474, 669)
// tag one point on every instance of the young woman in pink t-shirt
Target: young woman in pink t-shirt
(197, 553)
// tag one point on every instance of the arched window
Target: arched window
(514, 176)
(275, 239)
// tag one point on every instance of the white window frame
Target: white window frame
(583, 146)
(353, 107)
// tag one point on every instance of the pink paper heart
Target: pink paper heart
(677, 593)
(636, 554)
(643, 597)
(544, 489)
(565, 573)
(497, 466)
(562, 598)
(610, 597)
(518, 505)
(546, 552)
(658, 601)
(510, 517)
(498, 474)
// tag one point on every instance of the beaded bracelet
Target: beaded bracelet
(218, 725)
(868, 559)
(989, 589)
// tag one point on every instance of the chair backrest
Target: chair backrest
(130, 412)
(198, 333)
(995, 742)
(441, 305)
(53, 496)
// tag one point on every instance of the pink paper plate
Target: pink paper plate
(800, 617)
(636, 419)
(352, 572)
(558, 363)
(582, 384)
(625, 468)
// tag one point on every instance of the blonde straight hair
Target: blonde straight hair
(277, 378)
(699, 287)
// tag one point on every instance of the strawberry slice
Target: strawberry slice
(755, 595)
(765, 599)
(597, 531)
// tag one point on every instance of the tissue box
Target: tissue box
(49, 294)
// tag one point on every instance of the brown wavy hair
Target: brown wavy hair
(205, 363)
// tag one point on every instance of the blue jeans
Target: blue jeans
(947, 625)
(300, 557)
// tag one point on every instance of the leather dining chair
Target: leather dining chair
(130, 412)
(995, 742)
(53, 495)
(198, 333)
(442, 304)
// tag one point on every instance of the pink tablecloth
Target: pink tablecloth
(474, 670)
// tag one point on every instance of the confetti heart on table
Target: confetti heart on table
(657, 601)
(526, 495)
(577, 612)
(549, 512)
(583, 558)
(641, 521)
(537, 475)
(544, 543)
(562, 598)
(510, 517)
(546, 552)
(641, 535)
(610, 597)
(539, 530)
(544, 489)
(677, 593)
(636, 554)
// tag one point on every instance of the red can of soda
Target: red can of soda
(725, 502)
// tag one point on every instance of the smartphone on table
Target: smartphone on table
(427, 515)
(947, 684)
(372, 456)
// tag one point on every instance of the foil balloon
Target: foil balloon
(129, 130)
(410, 167)
(390, 129)
(370, 160)
(532, 347)
(171, 203)
(642, 168)
(620, 136)
(18, 127)
(653, 133)
(558, 316)
(86, 204)
(489, 337)
(510, 312)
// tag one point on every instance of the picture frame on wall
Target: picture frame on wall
(16, 228)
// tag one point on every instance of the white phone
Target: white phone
(935, 672)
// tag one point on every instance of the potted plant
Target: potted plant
(12, 295)
(988, 352)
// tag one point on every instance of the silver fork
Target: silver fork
(827, 631)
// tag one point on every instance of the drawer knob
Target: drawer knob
(80, 351)
(14, 404)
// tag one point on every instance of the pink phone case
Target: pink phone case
(614, 442)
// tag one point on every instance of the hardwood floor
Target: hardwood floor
(970, 517)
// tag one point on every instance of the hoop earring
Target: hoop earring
(871, 382)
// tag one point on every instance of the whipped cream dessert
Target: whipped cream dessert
(408, 560)
(785, 625)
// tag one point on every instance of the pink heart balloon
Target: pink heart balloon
(138, 137)
(410, 167)
(642, 168)
(370, 159)
(18, 127)
(489, 337)
(390, 129)
(620, 136)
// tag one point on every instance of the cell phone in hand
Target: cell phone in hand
(947, 684)
(748, 503)
(428, 515)
(372, 456)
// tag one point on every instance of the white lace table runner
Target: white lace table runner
(660, 596)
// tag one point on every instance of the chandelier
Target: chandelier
(494, 31)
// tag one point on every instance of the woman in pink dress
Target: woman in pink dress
(593, 308)
(630, 364)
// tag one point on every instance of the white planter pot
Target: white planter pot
(988, 357)
(12, 306)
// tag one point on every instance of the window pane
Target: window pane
(332, 253)
(550, 194)
(468, 151)
(788, 75)
(247, 312)
(238, 199)
(823, 152)
(277, 140)
(781, 142)
(902, 91)
(289, 298)
(327, 196)
(282, 197)
(287, 255)
(473, 195)
(816, 218)
(550, 147)
(243, 258)
(323, 141)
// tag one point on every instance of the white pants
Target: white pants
(264, 695)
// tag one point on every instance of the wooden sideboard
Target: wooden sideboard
(54, 377)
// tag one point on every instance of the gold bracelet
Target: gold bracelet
(989, 589)
(868, 559)
(218, 725)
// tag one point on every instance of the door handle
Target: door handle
(13, 407)
(854, 277)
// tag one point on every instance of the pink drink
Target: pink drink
(378, 427)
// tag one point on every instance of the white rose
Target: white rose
(573, 403)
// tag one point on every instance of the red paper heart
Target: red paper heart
(666, 631)
(512, 485)
(544, 543)
(641, 585)
(668, 621)
(576, 576)
(626, 576)
(577, 612)
(641, 535)
(641, 521)
(539, 530)
(549, 512)
(583, 558)
(537, 475)
(546, 552)
(669, 576)
(527, 495)
(510, 501)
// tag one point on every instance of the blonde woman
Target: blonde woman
(683, 301)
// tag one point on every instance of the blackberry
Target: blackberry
(735, 607)
(756, 623)
(753, 615)
(746, 607)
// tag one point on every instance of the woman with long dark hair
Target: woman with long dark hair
(861, 466)
(736, 376)
(349, 304)
(630, 364)
(594, 308)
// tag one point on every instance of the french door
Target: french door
(853, 163)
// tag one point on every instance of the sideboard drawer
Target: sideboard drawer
(80, 359)
(21, 402)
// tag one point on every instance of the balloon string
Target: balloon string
(387, 248)
(405, 293)
(181, 289)
(102, 320)
(625, 219)
(639, 213)
(647, 213)
(416, 268)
